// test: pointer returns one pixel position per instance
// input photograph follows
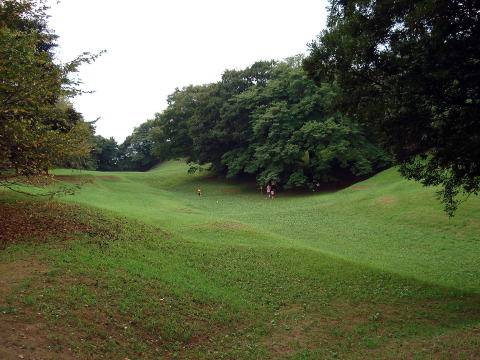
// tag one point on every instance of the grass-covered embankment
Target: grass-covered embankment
(373, 271)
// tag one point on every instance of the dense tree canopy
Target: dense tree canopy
(37, 129)
(135, 153)
(105, 154)
(411, 69)
(269, 121)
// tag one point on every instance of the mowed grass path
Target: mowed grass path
(385, 222)
(145, 269)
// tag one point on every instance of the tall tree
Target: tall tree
(36, 133)
(412, 70)
(295, 138)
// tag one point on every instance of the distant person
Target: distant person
(261, 189)
(199, 192)
(272, 193)
(269, 188)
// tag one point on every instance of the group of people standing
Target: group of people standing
(271, 191)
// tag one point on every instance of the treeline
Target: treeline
(269, 121)
(134, 154)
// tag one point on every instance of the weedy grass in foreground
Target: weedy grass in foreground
(160, 273)
(131, 290)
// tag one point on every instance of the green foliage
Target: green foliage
(37, 132)
(297, 139)
(105, 154)
(270, 121)
(135, 153)
(412, 70)
(201, 123)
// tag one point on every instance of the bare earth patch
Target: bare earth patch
(387, 200)
(296, 329)
(15, 272)
(24, 333)
(370, 329)
(361, 187)
(35, 221)
(227, 225)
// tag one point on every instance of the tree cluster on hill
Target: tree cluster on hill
(134, 154)
(411, 70)
(269, 121)
(39, 129)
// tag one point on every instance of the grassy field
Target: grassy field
(137, 266)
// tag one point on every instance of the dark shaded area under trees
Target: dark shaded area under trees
(410, 70)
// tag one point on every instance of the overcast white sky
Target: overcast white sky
(154, 46)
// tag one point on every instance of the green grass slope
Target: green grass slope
(385, 222)
(137, 266)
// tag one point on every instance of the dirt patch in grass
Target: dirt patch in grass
(457, 345)
(374, 331)
(47, 327)
(63, 314)
(386, 200)
(288, 332)
(225, 225)
(108, 177)
(24, 333)
(294, 328)
(361, 187)
(112, 333)
(45, 221)
(36, 221)
(49, 180)
(11, 274)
